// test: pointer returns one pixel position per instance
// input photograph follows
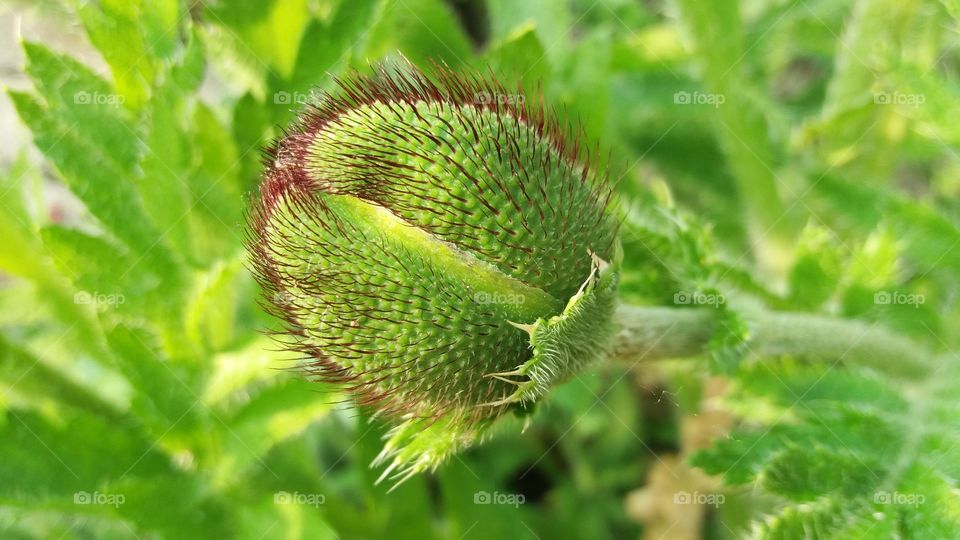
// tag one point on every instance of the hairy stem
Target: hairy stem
(655, 333)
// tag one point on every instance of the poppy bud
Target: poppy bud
(443, 254)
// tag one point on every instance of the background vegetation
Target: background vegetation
(798, 154)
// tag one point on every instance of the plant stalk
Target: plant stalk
(650, 333)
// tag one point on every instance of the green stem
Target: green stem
(656, 333)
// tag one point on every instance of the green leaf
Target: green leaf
(210, 317)
(826, 519)
(840, 440)
(84, 103)
(424, 30)
(328, 44)
(251, 128)
(23, 373)
(265, 36)
(106, 287)
(552, 23)
(56, 460)
(22, 255)
(273, 415)
(522, 47)
(165, 400)
(928, 238)
(816, 268)
(215, 189)
(729, 343)
(740, 125)
(132, 38)
(162, 186)
(91, 143)
(805, 474)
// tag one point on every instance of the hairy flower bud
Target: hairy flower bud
(439, 255)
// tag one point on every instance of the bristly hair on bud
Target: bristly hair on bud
(438, 246)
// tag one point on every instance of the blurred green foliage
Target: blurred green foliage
(810, 148)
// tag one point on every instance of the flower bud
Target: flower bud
(442, 257)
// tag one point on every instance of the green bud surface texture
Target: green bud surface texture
(443, 254)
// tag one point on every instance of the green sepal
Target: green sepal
(562, 345)
(565, 343)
